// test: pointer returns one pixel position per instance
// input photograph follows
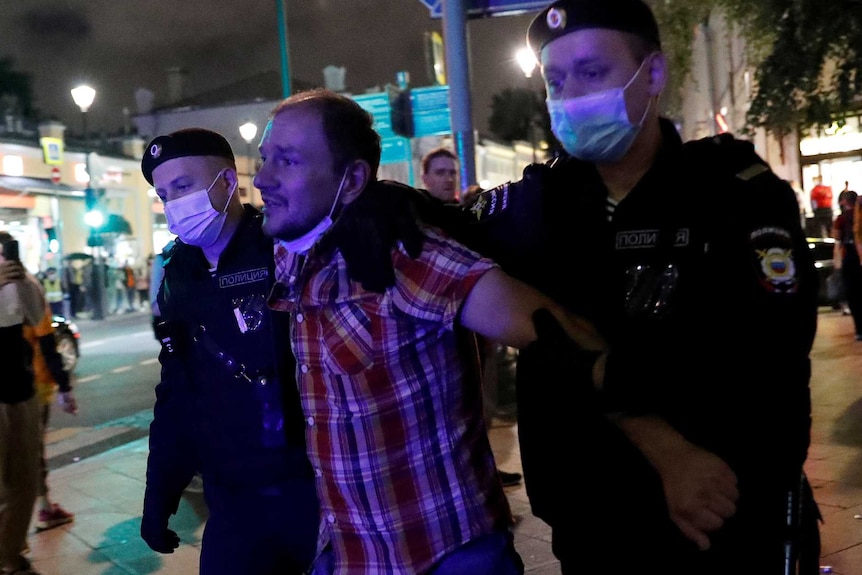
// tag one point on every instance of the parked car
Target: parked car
(67, 336)
(824, 250)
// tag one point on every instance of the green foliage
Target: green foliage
(812, 74)
(513, 111)
(806, 56)
(677, 20)
(16, 93)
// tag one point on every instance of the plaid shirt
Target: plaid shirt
(395, 432)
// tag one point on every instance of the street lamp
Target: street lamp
(527, 61)
(83, 96)
(248, 131)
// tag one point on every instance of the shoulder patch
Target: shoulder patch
(490, 202)
(772, 256)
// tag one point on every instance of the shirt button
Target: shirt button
(318, 472)
(291, 280)
(330, 518)
(310, 421)
(303, 368)
(299, 317)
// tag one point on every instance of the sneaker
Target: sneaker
(50, 518)
(509, 479)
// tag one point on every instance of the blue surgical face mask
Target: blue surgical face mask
(596, 127)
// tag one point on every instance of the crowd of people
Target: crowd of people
(326, 363)
(69, 289)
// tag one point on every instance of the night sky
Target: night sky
(120, 45)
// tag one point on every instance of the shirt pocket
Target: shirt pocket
(349, 335)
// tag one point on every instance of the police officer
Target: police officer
(226, 405)
(703, 419)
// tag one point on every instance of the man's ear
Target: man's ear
(657, 73)
(231, 179)
(356, 179)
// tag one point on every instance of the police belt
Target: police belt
(234, 367)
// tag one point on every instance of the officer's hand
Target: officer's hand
(370, 227)
(154, 526)
(701, 493)
(576, 354)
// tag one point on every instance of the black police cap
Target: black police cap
(565, 16)
(183, 143)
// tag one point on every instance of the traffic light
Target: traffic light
(93, 216)
(53, 242)
(402, 111)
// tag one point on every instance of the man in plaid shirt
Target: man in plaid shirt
(395, 434)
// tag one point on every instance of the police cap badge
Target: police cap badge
(183, 143)
(565, 16)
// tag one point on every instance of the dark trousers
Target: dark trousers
(851, 273)
(264, 531)
(823, 218)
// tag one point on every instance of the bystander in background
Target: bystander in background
(53, 286)
(821, 205)
(49, 377)
(847, 257)
(21, 303)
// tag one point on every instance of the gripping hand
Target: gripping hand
(371, 226)
(554, 347)
(154, 525)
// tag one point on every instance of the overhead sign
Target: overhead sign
(482, 8)
(377, 104)
(395, 149)
(52, 150)
(431, 112)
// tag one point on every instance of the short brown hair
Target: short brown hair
(349, 129)
(440, 152)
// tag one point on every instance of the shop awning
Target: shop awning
(18, 185)
(116, 224)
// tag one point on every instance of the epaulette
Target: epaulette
(511, 195)
(728, 154)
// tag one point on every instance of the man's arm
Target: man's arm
(501, 307)
(172, 461)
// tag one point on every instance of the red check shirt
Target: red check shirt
(395, 434)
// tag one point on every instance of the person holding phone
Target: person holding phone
(21, 303)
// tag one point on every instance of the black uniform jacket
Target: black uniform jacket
(706, 291)
(227, 372)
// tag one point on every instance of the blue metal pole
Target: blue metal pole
(281, 6)
(458, 76)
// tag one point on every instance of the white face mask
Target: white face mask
(304, 242)
(193, 218)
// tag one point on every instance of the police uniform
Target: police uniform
(227, 407)
(710, 313)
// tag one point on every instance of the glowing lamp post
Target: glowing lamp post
(248, 131)
(527, 61)
(83, 97)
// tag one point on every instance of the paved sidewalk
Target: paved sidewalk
(106, 491)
